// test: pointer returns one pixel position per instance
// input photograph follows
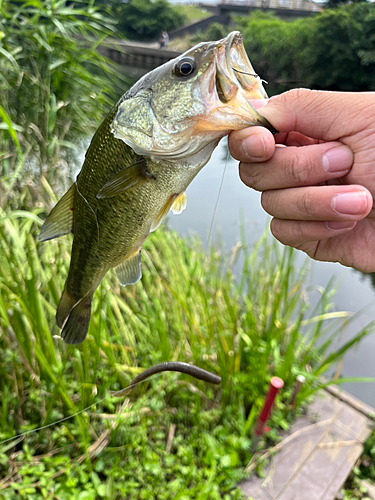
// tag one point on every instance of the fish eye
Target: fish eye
(185, 67)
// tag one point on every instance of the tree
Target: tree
(332, 4)
(334, 50)
(145, 19)
(340, 53)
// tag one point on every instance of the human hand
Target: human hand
(318, 180)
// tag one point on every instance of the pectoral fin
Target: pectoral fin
(179, 204)
(60, 220)
(129, 271)
(125, 179)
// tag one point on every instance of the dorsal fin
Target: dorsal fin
(130, 271)
(60, 220)
(125, 179)
(179, 203)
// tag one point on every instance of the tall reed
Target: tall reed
(187, 307)
(54, 84)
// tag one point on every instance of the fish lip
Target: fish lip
(245, 79)
(238, 68)
(232, 40)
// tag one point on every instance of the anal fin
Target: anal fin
(130, 271)
(179, 203)
(60, 220)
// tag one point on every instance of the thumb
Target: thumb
(317, 114)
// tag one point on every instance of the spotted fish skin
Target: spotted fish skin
(139, 163)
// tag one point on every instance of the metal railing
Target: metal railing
(305, 5)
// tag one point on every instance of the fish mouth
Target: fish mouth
(236, 80)
(238, 70)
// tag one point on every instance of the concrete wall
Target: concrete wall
(136, 56)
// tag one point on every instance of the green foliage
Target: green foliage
(340, 54)
(193, 12)
(54, 84)
(334, 50)
(215, 31)
(275, 46)
(187, 307)
(145, 19)
(363, 472)
(332, 4)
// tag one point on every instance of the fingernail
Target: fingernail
(338, 159)
(337, 225)
(254, 146)
(258, 103)
(354, 203)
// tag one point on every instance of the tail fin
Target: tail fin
(75, 328)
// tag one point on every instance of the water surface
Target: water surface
(354, 294)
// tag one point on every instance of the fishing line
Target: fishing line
(245, 73)
(213, 217)
(216, 204)
(249, 74)
(130, 386)
(152, 372)
(92, 210)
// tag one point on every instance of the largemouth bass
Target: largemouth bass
(140, 161)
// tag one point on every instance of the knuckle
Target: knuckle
(268, 201)
(296, 95)
(305, 205)
(278, 230)
(299, 235)
(251, 176)
(301, 170)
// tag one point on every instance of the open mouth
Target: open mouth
(237, 72)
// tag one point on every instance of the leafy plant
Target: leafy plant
(145, 19)
(54, 84)
(187, 307)
(334, 50)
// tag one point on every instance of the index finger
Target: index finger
(320, 115)
(257, 144)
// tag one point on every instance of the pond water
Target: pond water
(236, 203)
(354, 293)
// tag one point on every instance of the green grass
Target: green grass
(193, 13)
(188, 307)
(174, 437)
(362, 474)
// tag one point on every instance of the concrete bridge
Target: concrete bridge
(282, 8)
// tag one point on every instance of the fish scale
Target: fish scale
(130, 179)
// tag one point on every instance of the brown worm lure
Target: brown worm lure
(171, 366)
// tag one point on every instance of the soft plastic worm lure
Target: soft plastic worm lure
(171, 366)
